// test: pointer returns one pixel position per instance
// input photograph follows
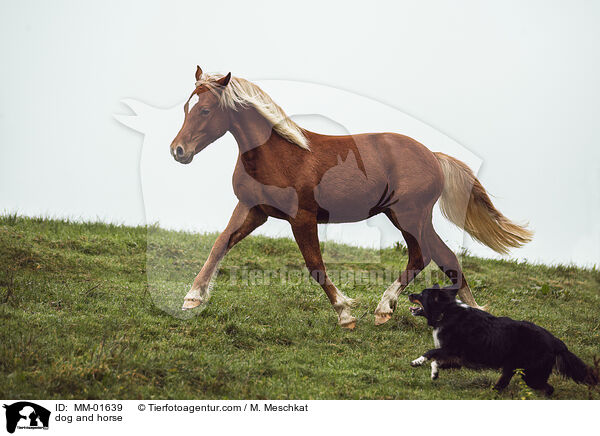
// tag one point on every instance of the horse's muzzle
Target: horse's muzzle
(180, 155)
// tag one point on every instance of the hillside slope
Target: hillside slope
(79, 319)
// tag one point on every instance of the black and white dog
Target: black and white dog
(465, 336)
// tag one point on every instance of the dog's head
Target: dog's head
(433, 302)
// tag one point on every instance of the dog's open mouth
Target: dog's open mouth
(415, 310)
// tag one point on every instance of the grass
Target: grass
(87, 312)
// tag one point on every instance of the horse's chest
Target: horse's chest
(436, 337)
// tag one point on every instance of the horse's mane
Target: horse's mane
(244, 93)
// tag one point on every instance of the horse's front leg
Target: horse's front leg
(242, 222)
(304, 227)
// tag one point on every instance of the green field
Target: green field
(80, 320)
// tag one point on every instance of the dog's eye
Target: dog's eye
(205, 111)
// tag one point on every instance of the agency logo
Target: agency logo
(26, 415)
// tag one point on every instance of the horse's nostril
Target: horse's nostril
(179, 151)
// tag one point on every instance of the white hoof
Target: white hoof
(193, 299)
(190, 304)
(345, 318)
(382, 318)
(384, 310)
(349, 323)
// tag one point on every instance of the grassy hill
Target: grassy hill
(81, 319)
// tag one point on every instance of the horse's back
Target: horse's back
(389, 159)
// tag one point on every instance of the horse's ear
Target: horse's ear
(223, 81)
(198, 72)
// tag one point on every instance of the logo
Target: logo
(26, 415)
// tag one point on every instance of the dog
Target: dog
(473, 338)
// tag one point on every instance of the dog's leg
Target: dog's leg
(418, 361)
(434, 369)
(433, 354)
(538, 379)
(504, 380)
(548, 389)
(541, 385)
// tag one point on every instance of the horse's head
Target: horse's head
(206, 120)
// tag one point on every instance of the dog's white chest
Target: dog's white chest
(436, 337)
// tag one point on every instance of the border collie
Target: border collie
(465, 336)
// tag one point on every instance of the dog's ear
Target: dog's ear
(436, 286)
(452, 291)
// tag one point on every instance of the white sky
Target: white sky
(516, 83)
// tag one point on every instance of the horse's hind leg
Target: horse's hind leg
(447, 261)
(418, 259)
(304, 227)
(242, 222)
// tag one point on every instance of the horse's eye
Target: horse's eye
(205, 111)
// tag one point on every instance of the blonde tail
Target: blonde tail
(465, 203)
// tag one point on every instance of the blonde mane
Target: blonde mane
(241, 92)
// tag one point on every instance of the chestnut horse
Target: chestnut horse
(305, 178)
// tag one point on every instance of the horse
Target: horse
(287, 172)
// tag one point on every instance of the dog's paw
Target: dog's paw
(418, 361)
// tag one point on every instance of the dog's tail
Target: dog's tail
(465, 203)
(569, 365)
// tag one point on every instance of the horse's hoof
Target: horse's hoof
(382, 318)
(350, 325)
(190, 304)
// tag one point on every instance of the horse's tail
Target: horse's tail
(481, 219)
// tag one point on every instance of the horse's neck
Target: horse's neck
(250, 129)
(262, 149)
